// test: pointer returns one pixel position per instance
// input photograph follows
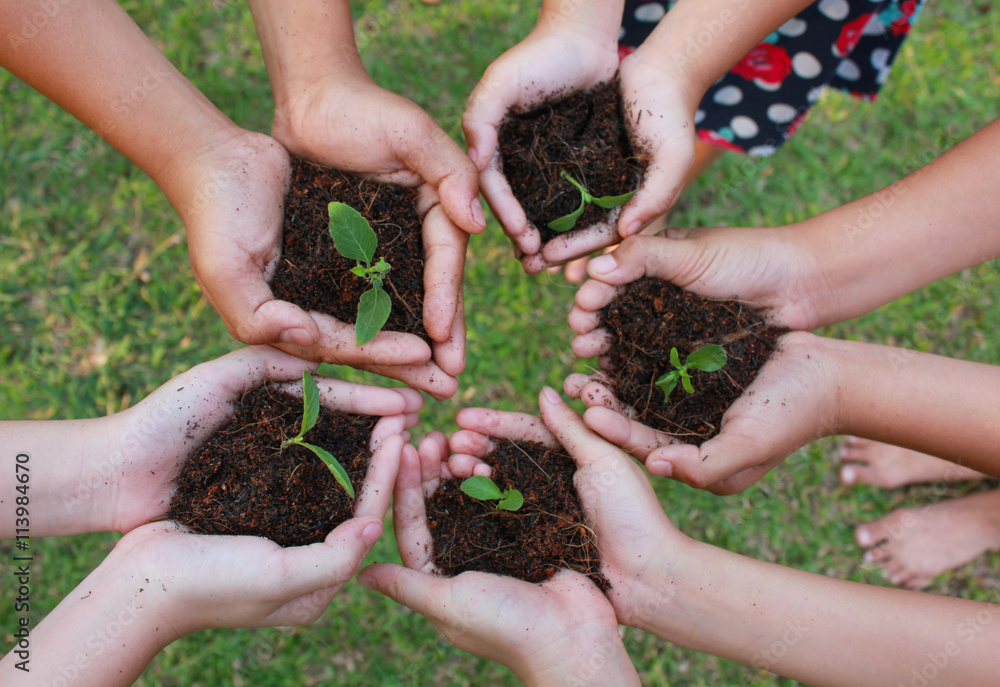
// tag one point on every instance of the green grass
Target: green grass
(99, 307)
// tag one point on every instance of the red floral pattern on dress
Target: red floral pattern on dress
(850, 35)
(767, 63)
(715, 139)
(624, 51)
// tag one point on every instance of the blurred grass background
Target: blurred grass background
(99, 308)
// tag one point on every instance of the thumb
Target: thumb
(675, 260)
(726, 464)
(661, 186)
(417, 591)
(585, 446)
(334, 561)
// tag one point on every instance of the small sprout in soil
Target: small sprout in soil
(355, 239)
(310, 413)
(567, 222)
(484, 489)
(707, 359)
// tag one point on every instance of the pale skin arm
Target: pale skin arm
(797, 624)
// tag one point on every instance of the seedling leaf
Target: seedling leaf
(339, 473)
(374, 307)
(310, 403)
(686, 382)
(481, 488)
(567, 222)
(667, 383)
(360, 271)
(707, 359)
(613, 201)
(352, 236)
(675, 358)
(512, 500)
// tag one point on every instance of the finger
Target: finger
(597, 342)
(581, 442)
(331, 563)
(240, 371)
(594, 295)
(581, 243)
(337, 344)
(444, 263)
(509, 213)
(576, 270)
(450, 355)
(393, 425)
(501, 424)
(409, 516)
(633, 437)
(349, 397)
(470, 442)
(430, 152)
(463, 465)
(534, 263)
(574, 384)
(583, 321)
(433, 451)
(416, 590)
(719, 458)
(427, 377)
(376, 493)
(661, 186)
(649, 256)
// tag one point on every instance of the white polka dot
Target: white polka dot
(883, 74)
(744, 127)
(762, 151)
(766, 85)
(806, 66)
(793, 27)
(780, 113)
(814, 94)
(874, 27)
(621, 34)
(650, 11)
(880, 58)
(849, 70)
(728, 95)
(699, 116)
(835, 9)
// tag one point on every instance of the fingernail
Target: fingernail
(868, 557)
(661, 468)
(633, 228)
(366, 580)
(864, 537)
(603, 264)
(477, 213)
(551, 395)
(848, 476)
(297, 336)
(371, 533)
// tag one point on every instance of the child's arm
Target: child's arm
(799, 625)
(116, 473)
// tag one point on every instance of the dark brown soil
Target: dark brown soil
(649, 317)
(549, 532)
(314, 276)
(239, 482)
(583, 134)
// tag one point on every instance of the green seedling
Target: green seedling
(567, 222)
(355, 239)
(484, 489)
(310, 413)
(707, 359)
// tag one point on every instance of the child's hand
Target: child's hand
(544, 632)
(552, 59)
(151, 441)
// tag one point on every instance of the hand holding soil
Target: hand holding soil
(487, 614)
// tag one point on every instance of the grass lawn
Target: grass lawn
(99, 307)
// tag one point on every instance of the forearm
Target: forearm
(60, 473)
(678, 47)
(584, 656)
(929, 403)
(103, 634)
(802, 625)
(593, 18)
(91, 59)
(937, 221)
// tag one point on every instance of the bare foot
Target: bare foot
(915, 545)
(888, 466)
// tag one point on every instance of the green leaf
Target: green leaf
(310, 403)
(381, 267)
(352, 236)
(373, 310)
(613, 201)
(686, 382)
(569, 177)
(667, 383)
(339, 473)
(567, 222)
(360, 271)
(481, 488)
(675, 358)
(708, 359)
(512, 500)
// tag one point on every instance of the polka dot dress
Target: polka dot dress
(758, 105)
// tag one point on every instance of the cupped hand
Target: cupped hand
(543, 632)
(550, 60)
(152, 440)
(211, 581)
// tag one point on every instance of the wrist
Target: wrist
(593, 656)
(303, 102)
(595, 21)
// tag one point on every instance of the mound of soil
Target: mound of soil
(239, 482)
(646, 319)
(314, 276)
(583, 134)
(549, 532)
